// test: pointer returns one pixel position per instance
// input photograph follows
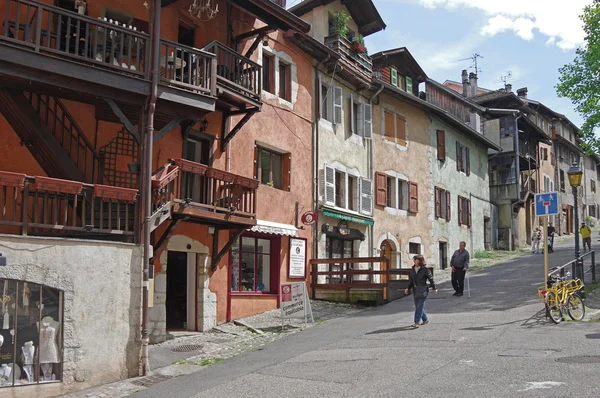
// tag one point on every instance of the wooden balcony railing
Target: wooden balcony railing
(47, 29)
(49, 205)
(236, 72)
(361, 64)
(188, 68)
(204, 188)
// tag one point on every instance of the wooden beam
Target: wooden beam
(225, 138)
(216, 259)
(254, 46)
(126, 123)
(262, 31)
(167, 129)
(165, 237)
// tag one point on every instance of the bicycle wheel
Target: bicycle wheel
(553, 307)
(575, 307)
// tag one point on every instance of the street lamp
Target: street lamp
(575, 176)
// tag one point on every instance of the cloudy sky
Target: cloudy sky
(529, 38)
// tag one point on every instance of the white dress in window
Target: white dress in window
(48, 348)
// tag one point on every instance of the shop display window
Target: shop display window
(254, 265)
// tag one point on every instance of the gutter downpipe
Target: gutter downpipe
(147, 191)
(518, 181)
(371, 227)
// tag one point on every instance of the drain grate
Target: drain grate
(580, 359)
(187, 348)
(150, 380)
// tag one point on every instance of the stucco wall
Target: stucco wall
(101, 282)
(318, 18)
(410, 163)
(475, 187)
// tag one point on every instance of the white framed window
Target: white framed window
(394, 127)
(347, 191)
(393, 192)
(361, 117)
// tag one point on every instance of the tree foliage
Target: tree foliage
(579, 81)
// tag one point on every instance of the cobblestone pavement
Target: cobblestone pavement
(188, 352)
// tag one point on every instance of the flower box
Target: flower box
(246, 182)
(191, 167)
(358, 48)
(115, 193)
(8, 179)
(165, 176)
(220, 175)
(59, 186)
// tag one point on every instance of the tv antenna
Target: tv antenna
(473, 58)
(505, 79)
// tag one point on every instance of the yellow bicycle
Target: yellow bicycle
(562, 297)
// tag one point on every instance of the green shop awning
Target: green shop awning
(347, 217)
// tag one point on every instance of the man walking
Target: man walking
(586, 234)
(550, 243)
(460, 265)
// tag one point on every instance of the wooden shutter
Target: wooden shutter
(368, 121)
(459, 159)
(337, 105)
(441, 145)
(381, 187)
(400, 130)
(468, 213)
(287, 171)
(448, 206)
(467, 161)
(552, 159)
(389, 130)
(352, 124)
(413, 193)
(256, 167)
(409, 85)
(460, 210)
(438, 203)
(545, 152)
(366, 196)
(394, 77)
(329, 191)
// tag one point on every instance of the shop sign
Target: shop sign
(294, 302)
(309, 218)
(297, 260)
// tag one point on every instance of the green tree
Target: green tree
(579, 81)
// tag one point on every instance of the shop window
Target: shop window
(254, 264)
(338, 248)
(273, 167)
(31, 342)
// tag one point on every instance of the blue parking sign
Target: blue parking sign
(546, 204)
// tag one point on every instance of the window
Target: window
(394, 77)
(396, 193)
(347, 191)
(441, 145)
(34, 316)
(592, 211)
(414, 248)
(442, 204)
(464, 211)
(593, 185)
(267, 72)
(254, 264)
(562, 180)
(394, 128)
(544, 154)
(570, 136)
(409, 85)
(325, 112)
(507, 127)
(273, 167)
(338, 248)
(361, 122)
(463, 161)
(285, 81)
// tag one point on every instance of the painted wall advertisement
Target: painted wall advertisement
(297, 266)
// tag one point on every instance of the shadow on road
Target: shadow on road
(392, 330)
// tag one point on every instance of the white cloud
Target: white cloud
(557, 19)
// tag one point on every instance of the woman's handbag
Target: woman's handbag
(421, 291)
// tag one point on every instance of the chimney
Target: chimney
(522, 92)
(466, 84)
(473, 80)
(508, 88)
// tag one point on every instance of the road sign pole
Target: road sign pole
(545, 250)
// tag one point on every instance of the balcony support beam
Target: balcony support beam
(167, 234)
(126, 123)
(260, 32)
(167, 128)
(254, 45)
(217, 257)
(226, 137)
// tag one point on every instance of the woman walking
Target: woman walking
(419, 276)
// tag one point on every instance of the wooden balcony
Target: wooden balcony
(356, 68)
(63, 208)
(197, 193)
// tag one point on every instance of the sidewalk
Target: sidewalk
(189, 352)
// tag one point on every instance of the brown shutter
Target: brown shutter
(413, 193)
(467, 161)
(389, 125)
(469, 212)
(287, 171)
(459, 160)
(441, 145)
(460, 210)
(400, 130)
(256, 166)
(448, 207)
(438, 202)
(381, 188)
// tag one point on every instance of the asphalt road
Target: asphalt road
(495, 344)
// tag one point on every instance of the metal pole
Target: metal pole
(545, 250)
(593, 267)
(576, 229)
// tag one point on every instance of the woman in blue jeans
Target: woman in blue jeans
(419, 276)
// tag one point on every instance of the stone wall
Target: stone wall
(101, 284)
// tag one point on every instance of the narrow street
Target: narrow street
(495, 344)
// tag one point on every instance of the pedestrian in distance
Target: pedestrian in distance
(460, 265)
(417, 283)
(586, 235)
(551, 231)
(535, 240)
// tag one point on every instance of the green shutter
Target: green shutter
(409, 87)
(393, 77)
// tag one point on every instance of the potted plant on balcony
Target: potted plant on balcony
(339, 23)
(358, 44)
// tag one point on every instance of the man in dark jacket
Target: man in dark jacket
(460, 265)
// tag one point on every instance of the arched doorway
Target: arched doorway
(388, 249)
